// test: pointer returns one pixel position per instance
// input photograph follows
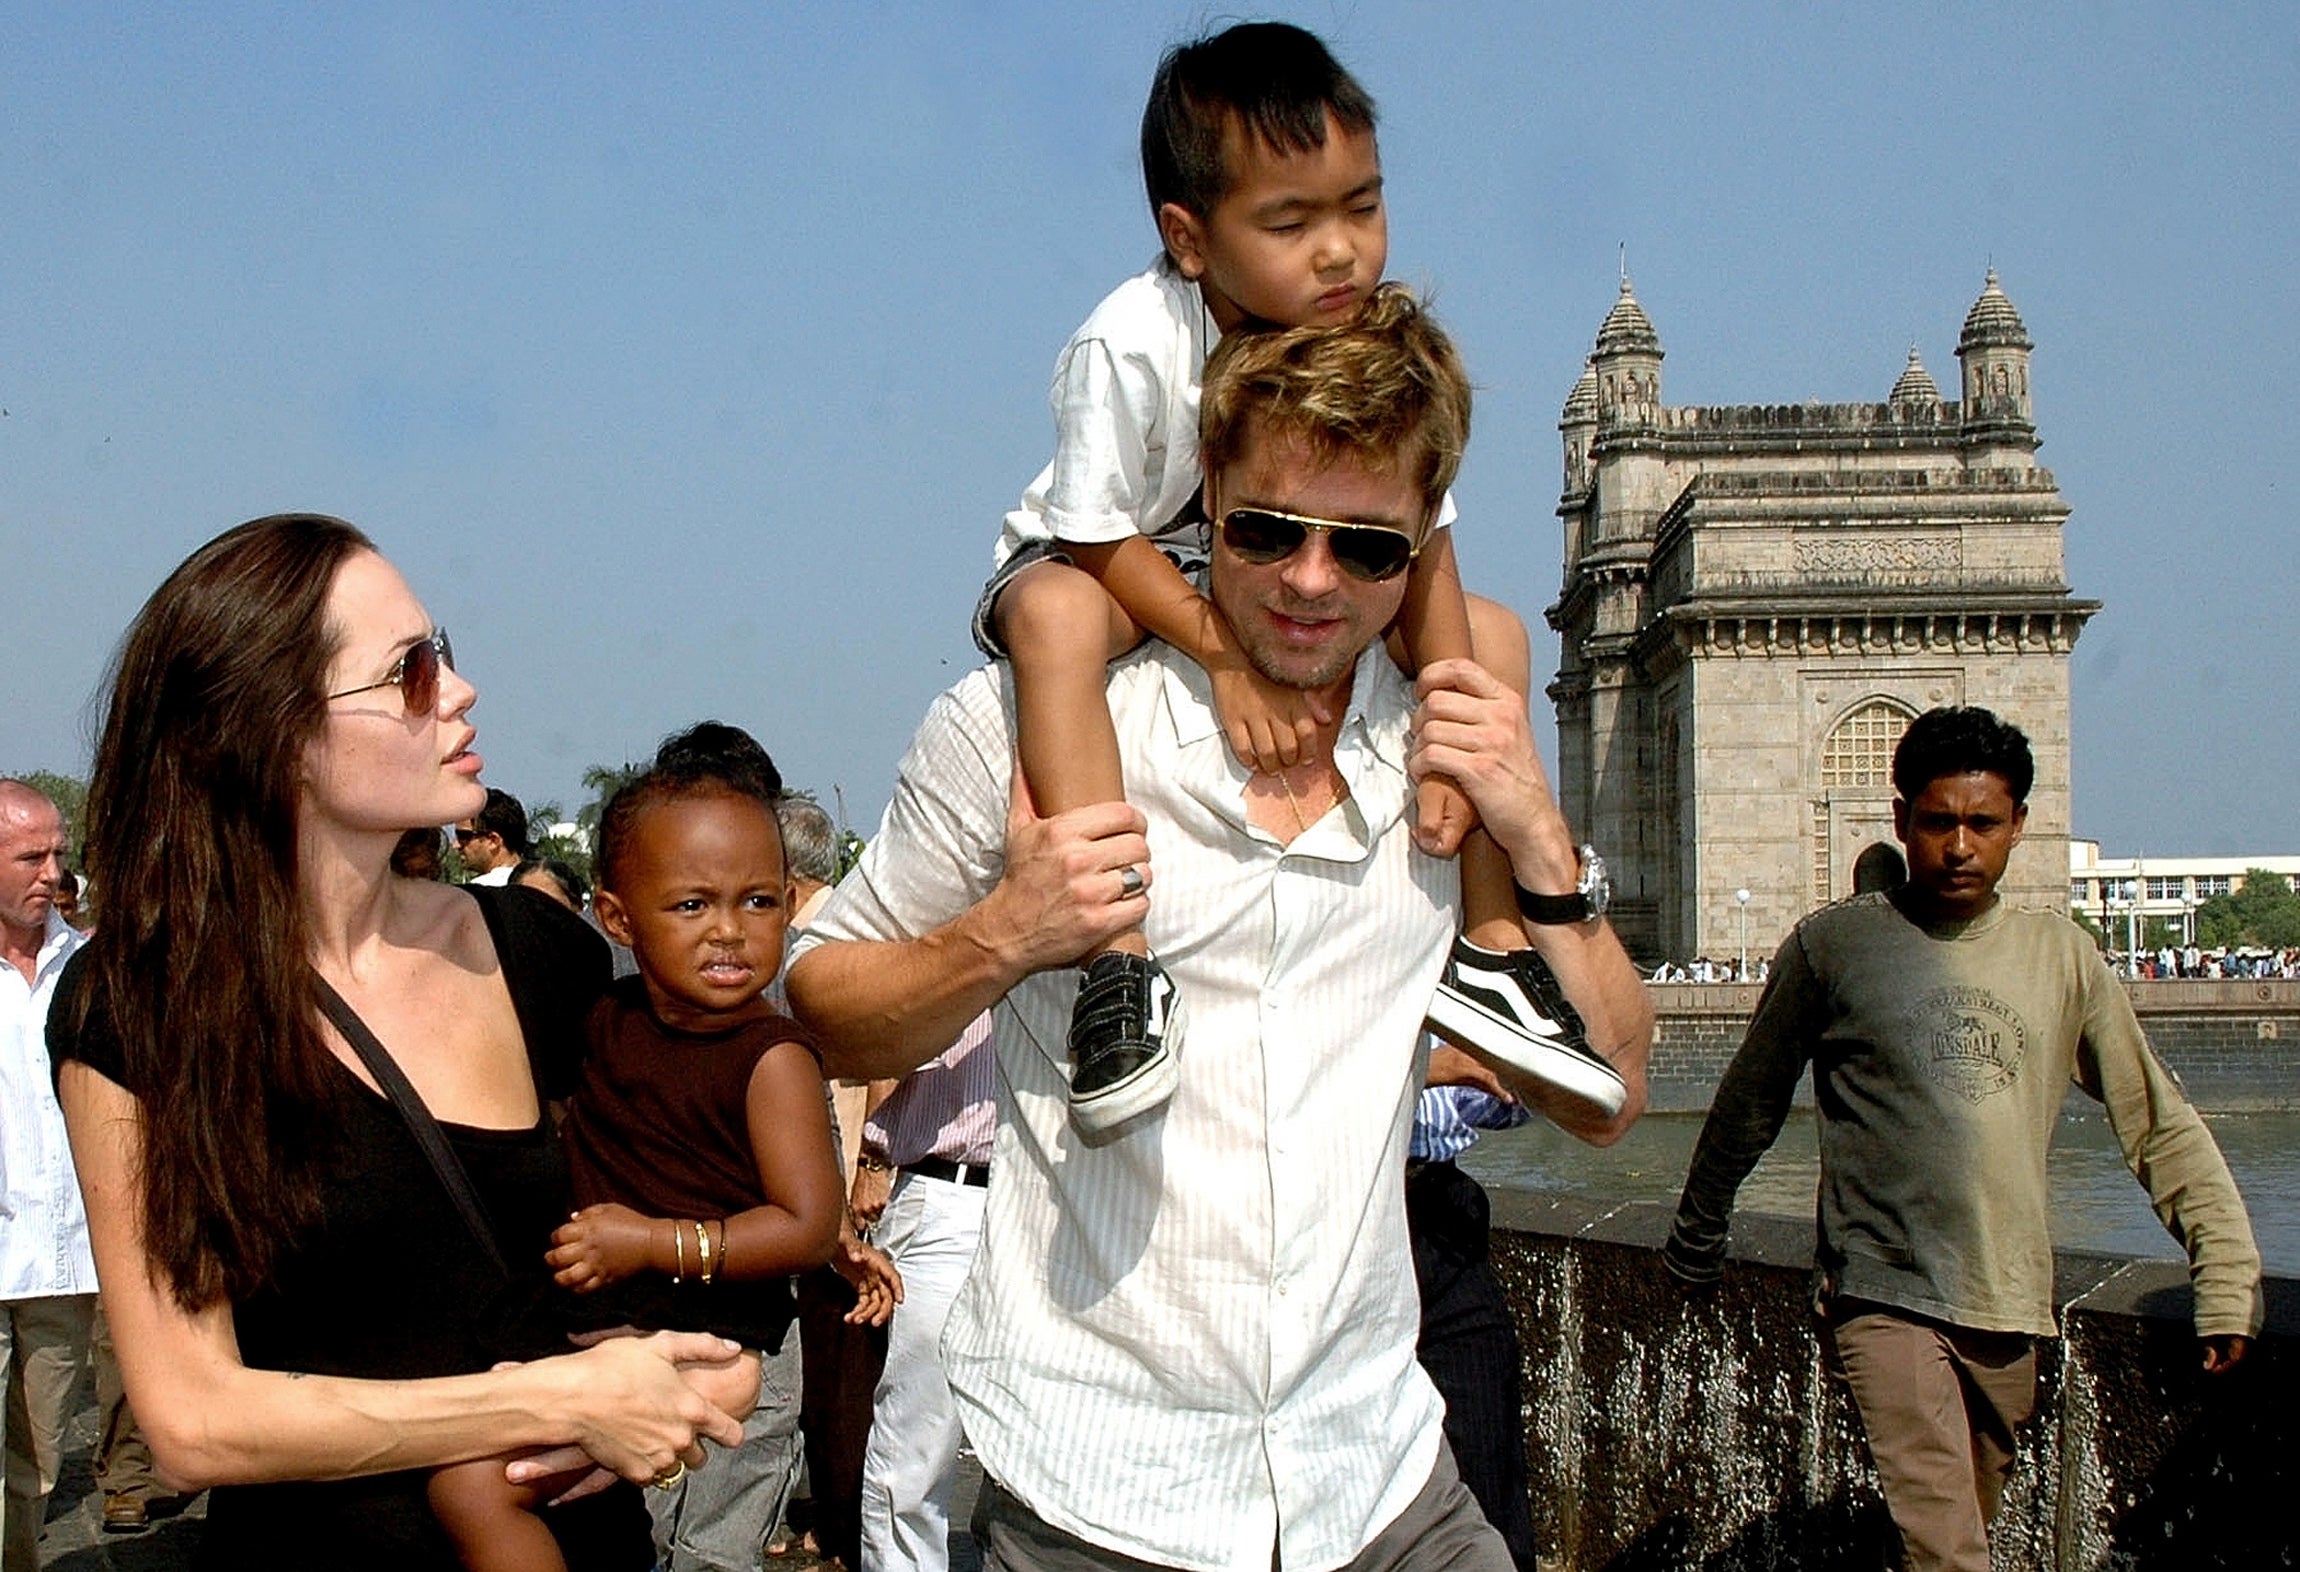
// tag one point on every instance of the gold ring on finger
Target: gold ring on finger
(666, 1478)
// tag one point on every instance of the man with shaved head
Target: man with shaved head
(47, 1276)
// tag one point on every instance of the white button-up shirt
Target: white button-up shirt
(1195, 1342)
(43, 1226)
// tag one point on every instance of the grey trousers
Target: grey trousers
(717, 1518)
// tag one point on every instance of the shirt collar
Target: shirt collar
(57, 942)
(1370, 747)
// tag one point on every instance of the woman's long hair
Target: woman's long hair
(202, 966)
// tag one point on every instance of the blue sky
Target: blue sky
(686, 357)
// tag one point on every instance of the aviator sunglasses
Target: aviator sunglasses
(415, 674)
(1372, 552)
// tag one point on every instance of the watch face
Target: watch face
(1596, 884)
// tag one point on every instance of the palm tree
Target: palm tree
(603, 781)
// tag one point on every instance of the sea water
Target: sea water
(2096, 1203)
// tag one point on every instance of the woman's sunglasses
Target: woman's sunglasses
(1372, 552)
(415, 674)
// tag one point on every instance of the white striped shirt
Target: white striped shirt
(43, 1227)
(1195, 1343)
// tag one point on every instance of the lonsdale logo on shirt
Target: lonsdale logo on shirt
(1969, 1041)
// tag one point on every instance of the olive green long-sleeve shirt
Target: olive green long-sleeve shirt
(1940, 1057)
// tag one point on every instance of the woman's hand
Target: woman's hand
(601, 1245)
(640, 1406)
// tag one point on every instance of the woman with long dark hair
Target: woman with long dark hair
(295, 1291)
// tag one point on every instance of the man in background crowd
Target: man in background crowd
(47, 1275)
(493, 841)
(1944, 1028)
(921, 1181)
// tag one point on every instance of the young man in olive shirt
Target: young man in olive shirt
(1944, 1028)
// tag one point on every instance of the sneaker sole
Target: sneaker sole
(1151, 1084)
(1482, 1033)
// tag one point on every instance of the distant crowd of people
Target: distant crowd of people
(1701, 969)
(2192, 962)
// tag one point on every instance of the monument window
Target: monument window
(2211, 884)
(2165, 889)
(1860, 751)
(1859, 756)
(2079, 893)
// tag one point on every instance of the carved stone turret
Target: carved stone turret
(1915, 388)
(1999, 422)
(1628, 362)
(1578, 428)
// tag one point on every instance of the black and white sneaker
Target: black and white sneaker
(1125, 1041)
(1505, 1006)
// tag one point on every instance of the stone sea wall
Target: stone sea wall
(1669, 1430)
(2235, 1045)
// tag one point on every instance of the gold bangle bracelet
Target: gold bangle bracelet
(678, 1253)
(703, 1250)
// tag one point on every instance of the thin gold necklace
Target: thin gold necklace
(1302, 824)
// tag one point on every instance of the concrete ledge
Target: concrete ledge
(1668, 1429)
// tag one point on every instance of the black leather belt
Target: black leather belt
(949, 1172)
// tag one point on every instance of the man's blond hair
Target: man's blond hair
(1385, 390)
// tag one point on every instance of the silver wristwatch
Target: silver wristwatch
(1590, 897)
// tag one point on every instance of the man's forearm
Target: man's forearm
(1602, 983)
(881, 1009)
(1473, 728)
(1746, 1113)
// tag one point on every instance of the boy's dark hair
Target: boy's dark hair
(1960, 740)
(503, 816)
(1276, 80)
(706, 758)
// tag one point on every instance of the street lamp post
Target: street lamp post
(1741, 896)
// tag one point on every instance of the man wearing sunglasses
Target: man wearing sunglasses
(1192, 1343)
(493, 841)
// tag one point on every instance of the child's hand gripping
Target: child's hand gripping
(877, 1285)
(1269, 727)
(599, 1245)
(1445, 816)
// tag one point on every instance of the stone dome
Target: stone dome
(1581, 403)
(1626, 328)
(1915, 385)
(1993, 321)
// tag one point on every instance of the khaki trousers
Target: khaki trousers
(42, 1345)
(1940, 1404)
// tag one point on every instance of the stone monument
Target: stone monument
(1758, 598)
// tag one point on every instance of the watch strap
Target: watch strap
(1552, 911)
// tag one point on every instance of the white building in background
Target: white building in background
(2121, 893)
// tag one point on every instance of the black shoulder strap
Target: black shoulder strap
(420, 1124)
